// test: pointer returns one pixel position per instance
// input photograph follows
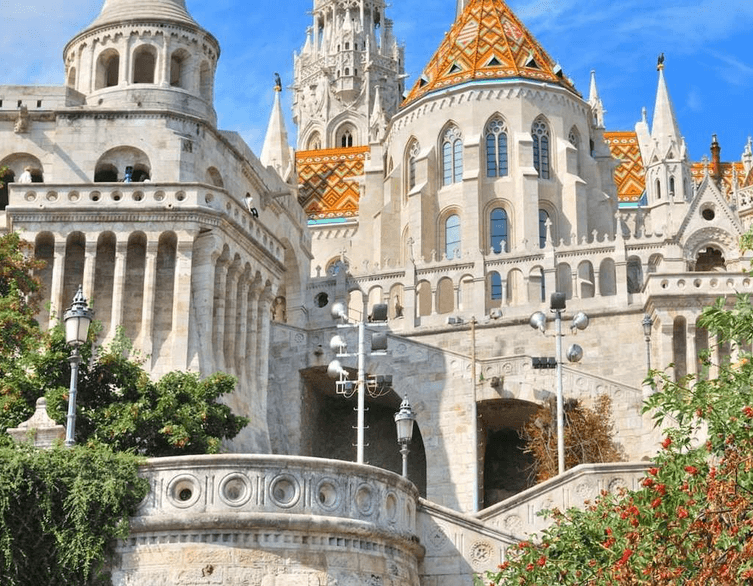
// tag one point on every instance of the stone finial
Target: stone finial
(39, 428)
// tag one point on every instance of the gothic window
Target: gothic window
(671, 187)
(498, 230)
(496, 148)
(144, 62)
(452, 236)
(413, 151)
(452, 156)
(574, 139)
(543, 221)
(347, 71)
(658, 189)
(315, 142)
(540, 135)
(495, 285)
(345, 136)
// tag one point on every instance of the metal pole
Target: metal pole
(474, 418)
(404, 451)
(75, 360)
(361, 389)
(648, 353)
(560, 402)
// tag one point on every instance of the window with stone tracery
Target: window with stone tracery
(496, 148)
(540, 135)
(413, 151)
(452, 156)
(345, 136)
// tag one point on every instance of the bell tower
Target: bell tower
(348, 72)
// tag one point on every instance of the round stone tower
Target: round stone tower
(140, 54)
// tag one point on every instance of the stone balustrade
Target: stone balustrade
(147, 199)
(271, 520)
(703, 284)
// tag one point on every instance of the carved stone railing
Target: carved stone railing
(704, 284)
(273, 520)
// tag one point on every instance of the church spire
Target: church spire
(594, 100)
(276, 151)
(665, 131)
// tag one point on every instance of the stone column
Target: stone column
(231, 299)
(144, 341)
(57, 303)
(90, 260)
(218, 333)
(125, 61)
(242, 325)
(253, 358)
(207, 248)
(164, 62)
(118, 285)
(691, 352)
(181, 301)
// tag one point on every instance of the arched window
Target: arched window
(452, 156)
(108, 69)
(144, 62)
(452, 236)
(498, 230)
(412, 152)
(671, 187)
(345, 136)
(543, 221)
(495, 285)
(315, 142)
(496, 148)
(658, 189)
(178, 69)
(574, 139)
(540, 135)
(71, 77)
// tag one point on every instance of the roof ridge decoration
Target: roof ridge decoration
(487, 30)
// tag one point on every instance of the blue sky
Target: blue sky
(707, 43)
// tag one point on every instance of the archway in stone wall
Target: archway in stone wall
(112, 164)
(104, 276)
(16, 164)
(507, 469)
(73, 273)
(328, 424)
(133, 290)
(710, 259)
(44, 250)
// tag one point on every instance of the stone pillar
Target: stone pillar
(125, 62)
(252, 354)
(691, 352)
(242, 325)
(90, 260)
(231, 299)
(144, 341)
(164, 62)
(218, 333)
(57, 303)
(181, 301)
(207, 249)
(118, 285)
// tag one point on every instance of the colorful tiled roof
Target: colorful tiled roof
(630, 176)
(487, 41)
(729, 172)
(328, 184)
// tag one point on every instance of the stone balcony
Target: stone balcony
(707, 285)
(271, 520)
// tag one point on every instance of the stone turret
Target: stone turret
(276, 150)
(349, 51)
(140, 54)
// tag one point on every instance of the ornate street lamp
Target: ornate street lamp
(77, 320)
(404, 421)
(647, 325)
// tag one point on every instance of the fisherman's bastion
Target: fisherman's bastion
(457, 202)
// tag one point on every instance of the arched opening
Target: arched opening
(44, 250)
(133, 296)
(445, 296)
(701, 348)
(179, 69)
(586, 279)
(144, 62)
(71, 78)
(507, 468)
(103, 280)
(397, 298)
(494, 288)
(423, 298)
(112, 165)
(634, 275)
(515, 286)
(22, 168)
(710, 259)
(565, 280)
(452, 156)
(314, 142)
(346, 136)
(213, 177)
(411, 154)
(536, 285)
(108, 69)
(496, 148)
(163, 303)
(679, 347)
(541, 155)
(452, 237)
(498, 231)
(543, 223)
(607, 278)
(73, 272)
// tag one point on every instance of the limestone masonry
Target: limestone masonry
(462, 201)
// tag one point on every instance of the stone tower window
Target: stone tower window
(496, 148)
(540, 135)
(345, 136)
(543, 220)
(144, 62)
(178, 67)
(452, 156)
(498, 230)
(108, 69)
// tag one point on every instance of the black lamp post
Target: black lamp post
(404, 421)
(77, 320)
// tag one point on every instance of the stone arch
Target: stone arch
(179, 69)
(536, 285)
(356, 303)
(112, 164)
(163, 302)
(133, 293)
(465, 293)
(497, 226)
(504, 462)
(346, 135)
(702, 239)
(607, 278)
(292, 283)
(564, 280)
(574, 139)
(108, 69)
(423, 298)
(17, 164)
(214, 177)
(515, 284)
(144, 64)
(634, 275)
(710, 259)
(104, 275)
(44, 250)
(376, 296)
(654, 262)
(586, 282)
(445, 295)
(73, 270)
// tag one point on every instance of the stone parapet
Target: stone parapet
(238, 519)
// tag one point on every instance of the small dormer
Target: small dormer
(138, 55)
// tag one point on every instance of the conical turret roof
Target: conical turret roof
(487, 42)
(115, 11)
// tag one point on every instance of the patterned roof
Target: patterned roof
(328, 184)
(487, 41)
(630, 176)
(698, 171)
